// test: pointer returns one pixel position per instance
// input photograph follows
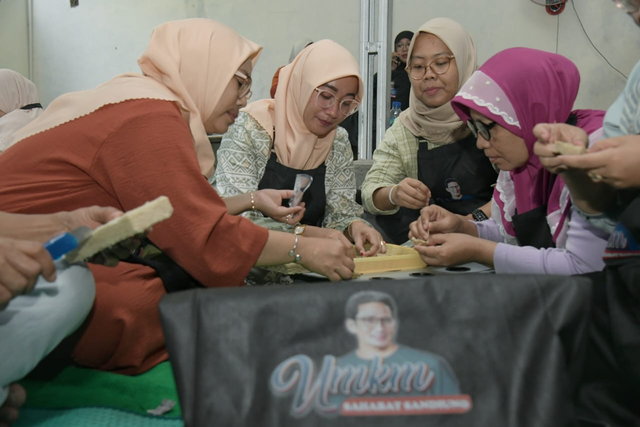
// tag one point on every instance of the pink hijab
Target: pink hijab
(190, 62)
(296, 147)
(519, 88)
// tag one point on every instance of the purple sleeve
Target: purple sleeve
(489, 230)
(582, 253)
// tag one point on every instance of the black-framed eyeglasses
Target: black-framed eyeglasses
(326, 99)
(370, 322)
(629, 6)
(244, 90)
(477, 127)
(439, 66)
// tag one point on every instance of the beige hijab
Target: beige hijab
(16, 91)
(296, 147)
(190, 62)
(442, 125)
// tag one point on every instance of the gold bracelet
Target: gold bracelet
(347, 231)
(253, 202)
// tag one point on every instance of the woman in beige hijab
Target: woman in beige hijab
(140, 136)
(19, 104)
(429, 155)
(275, 140)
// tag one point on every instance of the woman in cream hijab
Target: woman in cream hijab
(274, 140)
(429, 155)
(19, 104)
(140, 136)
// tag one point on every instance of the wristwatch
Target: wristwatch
(479, 215)
(299, 229)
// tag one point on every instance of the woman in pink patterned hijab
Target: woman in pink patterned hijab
(531, 211)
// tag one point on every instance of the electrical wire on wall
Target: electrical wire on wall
(589, 38)
(557, 33)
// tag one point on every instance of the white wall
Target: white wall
(13, 36)
(81, 47)
(78, 48)
(500, 24)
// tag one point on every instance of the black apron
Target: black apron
(280, 177)
(461, 162)
(532, 228)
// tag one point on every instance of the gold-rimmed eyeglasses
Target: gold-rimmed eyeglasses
(479, 128)
(244, 85)
(439, 66)
(326, 99)
(629, 6)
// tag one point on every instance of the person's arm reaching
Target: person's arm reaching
(41, 228)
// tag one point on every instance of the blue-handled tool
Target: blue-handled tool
(66, 242)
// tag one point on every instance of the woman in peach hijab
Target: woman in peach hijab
(298, 132)
(140, 136)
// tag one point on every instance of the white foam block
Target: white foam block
(128, 225)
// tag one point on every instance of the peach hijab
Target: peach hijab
(296, 147)
(441, 125)
(189, 62)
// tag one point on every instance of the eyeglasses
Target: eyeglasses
(244, 89)
(326, 99)
(629, 6)
(402, 46)
(370, 322)
(439, 66)
(477, 127)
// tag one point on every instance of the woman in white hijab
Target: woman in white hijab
(19, 104)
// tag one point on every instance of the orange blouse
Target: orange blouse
(123, 155)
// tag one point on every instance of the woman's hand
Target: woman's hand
(547, 134)
(362, 233)
(328, 257)
(434, 220)
(96, 216)
(613, 161)
(411, 193)
(455, 248)
(21, 263)
(92, 217)
(395, 60)
(328, 233)
(269, 202)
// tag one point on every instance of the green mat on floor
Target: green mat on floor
(90, 417)
(80, 388)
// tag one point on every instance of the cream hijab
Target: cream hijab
(442, 125)
(16, 91)
(190, 62)
(296, 147)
